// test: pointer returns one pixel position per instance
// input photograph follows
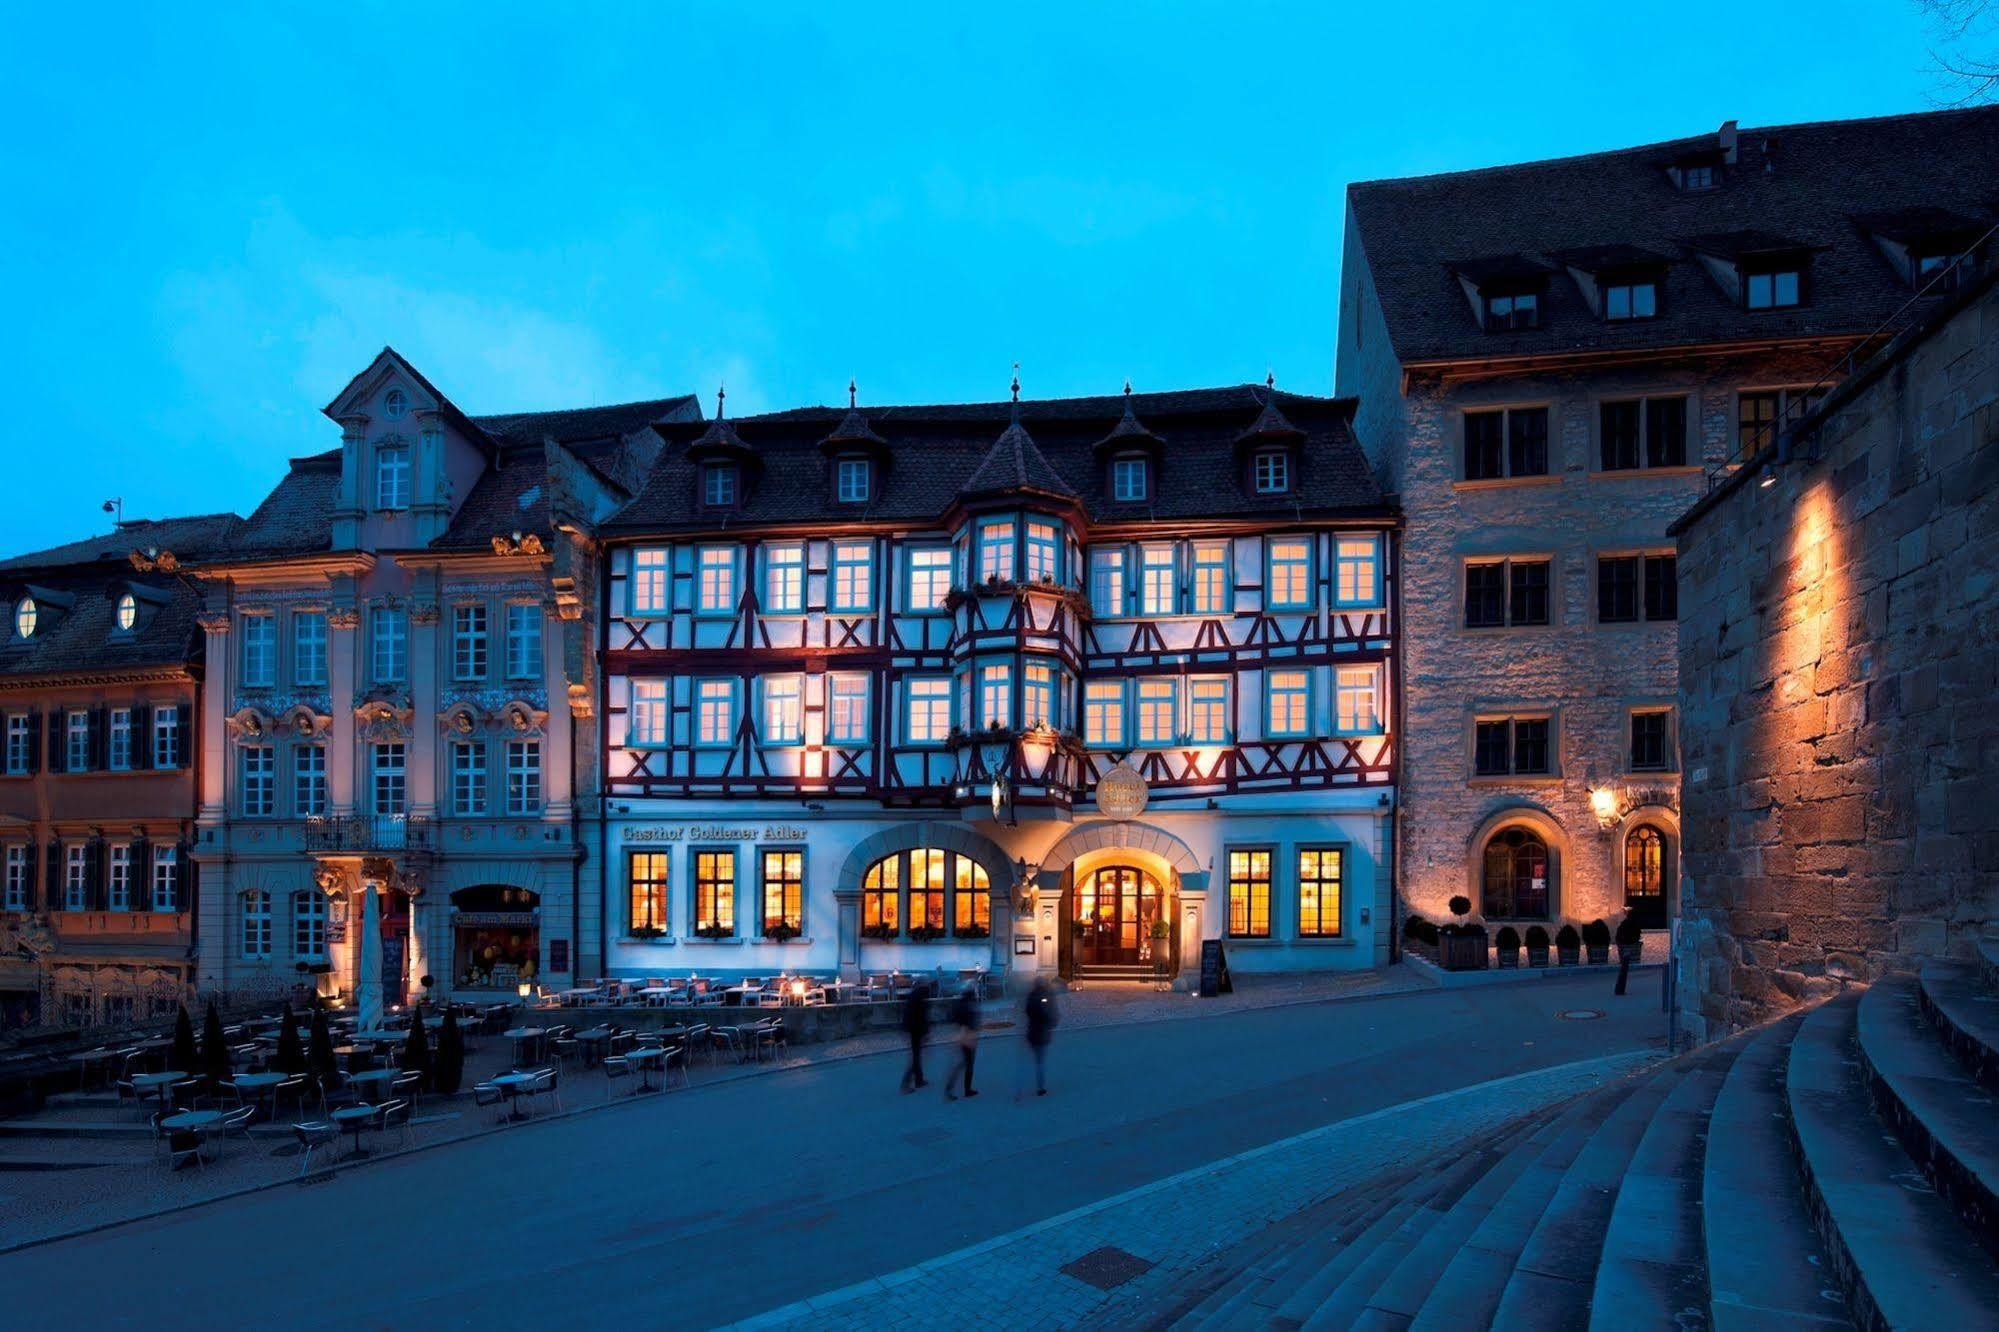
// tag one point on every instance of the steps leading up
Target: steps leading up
(1902, 1255)
(1966, 1017)
(1766, 1264)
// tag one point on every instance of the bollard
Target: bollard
(1623, 970)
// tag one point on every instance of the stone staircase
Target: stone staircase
(1837, 1169)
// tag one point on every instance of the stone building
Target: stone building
(100, 664)
(1553, 361)
(1062, 687)
(400, 692)
(1839, 662)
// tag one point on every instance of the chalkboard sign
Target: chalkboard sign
(1214, 970)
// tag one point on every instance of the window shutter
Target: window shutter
(34, 748)
(56, 756)
(95, 891)
(99, 745)
(142, 875)
(184, 739)
(32, 851)
(142, 735)
(52, 877)
(185, 878)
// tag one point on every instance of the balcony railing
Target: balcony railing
(365, 833)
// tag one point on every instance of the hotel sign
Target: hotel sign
(714, 832)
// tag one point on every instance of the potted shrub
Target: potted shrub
(1418, 930)
(973, 932)
(1507, 947)
(1568, 945)
(1537, 946)
(1461, 945)
(881, 931)
(448, 1069)
(926, 933)
(712, 930)
(1596, 940)
(780, 931)
(647, 932)
(1630, 943)
(416, 1057)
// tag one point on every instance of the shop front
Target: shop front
(496, 937)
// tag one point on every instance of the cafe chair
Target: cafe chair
(183, 1145)
(676, 1057)
(548, 1082)
(485, 1095)
(237, 1122)
(697, 1042)
(395, 1115)
(616, 1067)
(313, 1135)
(409, 1087)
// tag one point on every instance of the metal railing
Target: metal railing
(362, 833)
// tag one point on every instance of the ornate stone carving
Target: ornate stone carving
(568, 598)
(343, 619)
(518, 543)
(382, 715)
(332, 879)
(427, 613)
(581, 705)
(306, 718)
(249, 725)
(152, 560)
(461, 718)
(522, 718)
(213, 622)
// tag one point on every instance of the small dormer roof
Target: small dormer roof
(1129, 433)
(720, 440)
(1914, 226)
(1270, 426)
(1749, 243)
(1498, 269)
(1609, 258)
(854, 433)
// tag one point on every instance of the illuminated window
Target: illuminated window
(853, 575)
(1208, 710)
(128, 613)
(256, 924)
(847, 709)
(1288, 695)
(716, 593)
(881, 899)
(784, 580)
(1319, 874)
(971, 899)
(929, 577)
(1249, 893)
(260, 648)
(1044, 553)
(1103, 713)
(929, 710)
(715, 893)
(1290, 574)
(1037, 696)
(996, 695)
(995, 561)
(1107, 581)
(1358, 691)
(714, 712)
(1208, 593)
(650, 582)
(648, 724)
(784, 891)
(1158, 585)
(1357, 570)
(1155, 711)
(646, 874)
(928, 883)
(784, 709)
(25, 616)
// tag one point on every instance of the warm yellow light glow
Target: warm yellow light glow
(798, 989)
(525, 988)
(1603, 803)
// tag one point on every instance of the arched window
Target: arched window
(256, 924)
(941, 886)
(309, 926)
(1515, 881)
(128, 612)
(1645, 869)
(25, 616)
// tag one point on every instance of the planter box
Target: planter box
(1461, 952)
(1568, 957)
(1537, 957)
(1633, 953)
(1599, 954)
(1508, 957)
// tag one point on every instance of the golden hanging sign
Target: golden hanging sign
(1122, 793)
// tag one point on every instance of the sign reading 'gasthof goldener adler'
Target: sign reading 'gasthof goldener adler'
(711, 832)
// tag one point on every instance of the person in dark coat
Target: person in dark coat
(1041, 1017)
(965, 1016)
(916, 1021)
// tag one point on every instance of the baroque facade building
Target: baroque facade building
(100, 667)
(399, 694)
(1553, 361)
(1063, 687)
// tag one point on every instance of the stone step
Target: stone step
(1550, 1286)
(1967, 1015)
(1766, 1264)
(1468, 1291)
(1653, 1272)
(1904, 1258)
(1947, 1121)
(1306, 1250)
(1305, 1300)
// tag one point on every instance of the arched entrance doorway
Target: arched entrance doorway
(1118, 915)
(1647, 871)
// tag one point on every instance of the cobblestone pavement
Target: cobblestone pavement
(1175, 1224)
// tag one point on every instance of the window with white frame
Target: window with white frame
(523, 777)
(714, 712)
(260, 646)
(309, 926)
(256, 924)
(167, 738)
(995, 555)
(392, 476)
(523, 640)
(309, 781)
(651, 582)
(76, 742)
(1128, 480)
(929, 577)
(648, 719)
(716, 582)
(1357, 700)
(309, 647)
(1107, 581)
(1156, 723)
(118, 876)
(996, 695)
(846, 709)
(468, 778)
(1288, 704)
(1103, 713)
(20, 743)
(929, 710)
(784, 709)
(14, 887)
(1290, 576)
(389, 777)
(468, 641)
(1357, 570)
(1038, 695)
(389, 628)
(76, 877)
(258, 783)
(1158, 582)
(784, 580)
(851, 480)
(1272, 471)
(166, 878)
(1044, 552)
(718, 485)
(1208, 710)
(853, 576)
(1208, 589)
(118, 749)
(127, 614)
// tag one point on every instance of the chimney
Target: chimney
(1724, 139)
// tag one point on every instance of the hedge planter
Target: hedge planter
(1507, 948)
(1630, 943)
(1537, 947)
(1461, 951)
(1596, 942)
(1568, 945)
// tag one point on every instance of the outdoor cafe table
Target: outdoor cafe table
(379, 1037)
(374, 1077)
(356, 1117)
(89, 1062)
(645, 1058)
(199, 1121)
(523, 1037)
(161, 1083)
(257, 1085)
(595, 1042)
(511, 1084)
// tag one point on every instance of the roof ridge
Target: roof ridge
(483, 417)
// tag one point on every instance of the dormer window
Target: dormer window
(1270, 470)
(1761, 270)
(128, 613)
(25, 616)
(1630, 298)
(1773, 288)
(392, 476)
(1696, 172)
(1129, 482)
(718, 485)
(852, 480)
(1507, 312)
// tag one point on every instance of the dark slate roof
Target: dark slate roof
(1015, 463)
(83, 638)
(189, 539)
(938, 449)
(296, 518)
(586, 424)
(1805, 183)
(510, 496)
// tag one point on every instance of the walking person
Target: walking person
(965, 1014)
(1041, 1019)
(916, 1022)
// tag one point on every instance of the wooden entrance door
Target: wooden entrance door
(1115, 911)
(1645, 871)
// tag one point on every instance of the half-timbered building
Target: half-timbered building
(1059, 686)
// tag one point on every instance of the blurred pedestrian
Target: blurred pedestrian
(916, 1022)
(965, 1015)
(1041, 1019)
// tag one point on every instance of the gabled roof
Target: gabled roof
(1799, 182)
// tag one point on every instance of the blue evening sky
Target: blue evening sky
(214, 218)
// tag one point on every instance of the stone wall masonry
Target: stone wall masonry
(1839, 669)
